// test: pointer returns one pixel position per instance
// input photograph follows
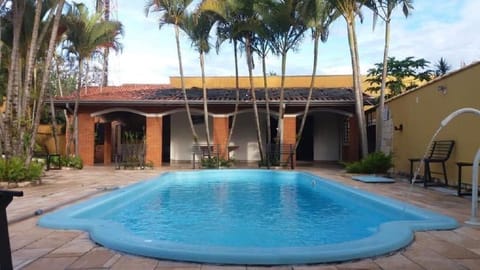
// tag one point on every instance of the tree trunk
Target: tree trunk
(312, 85)
(75, 109)
(267, 98)
(237, 95)
(205, 102)
(381, 102)
(182, 81)
(281, 111)
(254, 98)
(352, 41)
(45, 77)
(11, 105)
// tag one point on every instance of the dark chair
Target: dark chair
(439, 152)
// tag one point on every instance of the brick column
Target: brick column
(107, 144)
(289, 133)
(220, 134)
(154, 132)
(86, 138)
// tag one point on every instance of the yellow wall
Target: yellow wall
(326, 81)
(45, 139)
(421, 111)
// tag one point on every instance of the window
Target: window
(346, 131)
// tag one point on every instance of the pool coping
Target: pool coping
(116, 237)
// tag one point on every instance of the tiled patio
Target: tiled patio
(39, 248)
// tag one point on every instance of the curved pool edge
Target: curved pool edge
(390, 237)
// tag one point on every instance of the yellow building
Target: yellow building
(414, 117)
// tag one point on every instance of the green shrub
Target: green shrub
(72, 162)
(376, 162)
(14, 170)
(215, 162)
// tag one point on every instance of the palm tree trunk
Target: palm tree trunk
(182, 82)
(205, 102)
(11, 105)
(237, 95)
(312, 84)
(31, 55)
(45, 76)
(352, 41)
(381, 103)
(254, 98)
(75, 109)
(267, 99)
(282, 97)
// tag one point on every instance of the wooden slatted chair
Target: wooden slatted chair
(439, 152)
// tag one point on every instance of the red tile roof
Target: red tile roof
(163, 93)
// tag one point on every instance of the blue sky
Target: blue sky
(435, 29)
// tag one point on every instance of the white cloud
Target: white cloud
(433, 30)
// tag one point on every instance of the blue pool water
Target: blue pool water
(247, 217)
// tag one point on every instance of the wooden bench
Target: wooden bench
(439, 152)
(463, 188)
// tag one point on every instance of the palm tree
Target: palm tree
(384, 9)
(442, 67)
(172, 12)
(285, 21)
(85, 35)
(198, 27)
(262, 46)
(246, 20)
(319, 15)
(26, 40)
(349, 9)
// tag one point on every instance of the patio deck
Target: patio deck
(39, 248)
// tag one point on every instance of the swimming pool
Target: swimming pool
(247, 217)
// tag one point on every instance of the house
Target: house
(411, 119)
(155, 116)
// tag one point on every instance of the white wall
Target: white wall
(245, 136)
(181, 139)
(327, 128)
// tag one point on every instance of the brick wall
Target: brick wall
(86, 138)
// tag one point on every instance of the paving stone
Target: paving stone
(177, 264)
(76, 247)
(396, 261)
(429, 259)
(472, 264)
(315, 267)
(24, 256)
(367, 264)
(96, 258)
(444, 248)
(457, 238)
(59, 263)
(127, 262)
(222, 267)
(54, 240)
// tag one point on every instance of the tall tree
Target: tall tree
(284, 18)
(172, 12)
(86, 34)
(384, 9)
(349, 9)
(318, 15)
(247, 20)
(26, 39)
(402, 75)
(197, 27)
(442, 67)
